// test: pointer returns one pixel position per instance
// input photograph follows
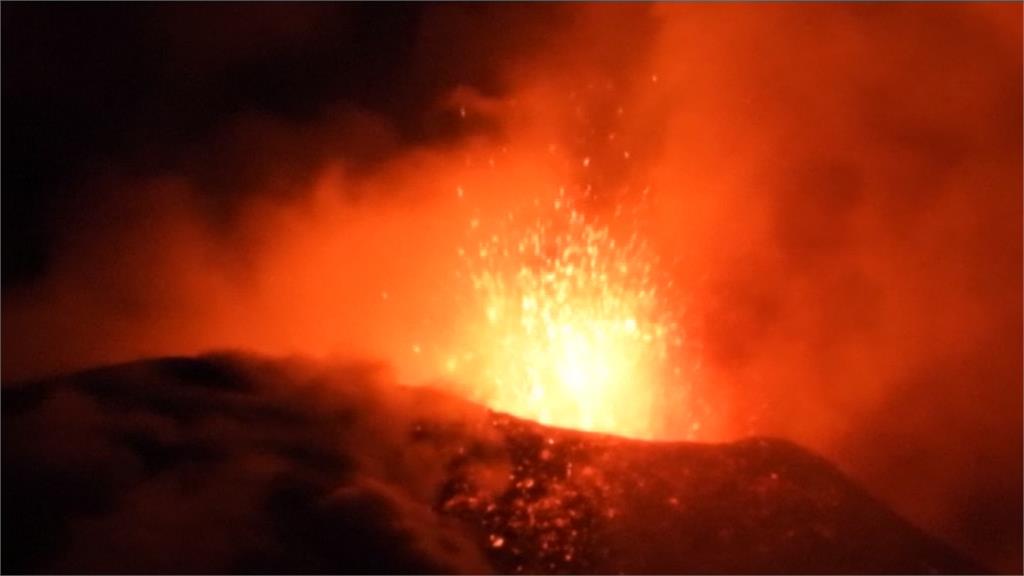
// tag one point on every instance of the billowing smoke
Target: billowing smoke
(834, 191)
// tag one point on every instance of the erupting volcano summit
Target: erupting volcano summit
(515, 288)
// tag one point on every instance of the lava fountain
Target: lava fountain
(569, 326)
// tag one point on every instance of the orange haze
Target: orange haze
(832, 195)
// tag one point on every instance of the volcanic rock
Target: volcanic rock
(228, 464)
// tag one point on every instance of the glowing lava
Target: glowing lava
(571, 329)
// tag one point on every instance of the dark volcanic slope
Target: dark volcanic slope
(223, 464)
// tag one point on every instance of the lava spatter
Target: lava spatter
(546, 519)
(570, 325)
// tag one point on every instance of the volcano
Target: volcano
(225, 463)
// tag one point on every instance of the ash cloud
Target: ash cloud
(835, 190)
(853, 195)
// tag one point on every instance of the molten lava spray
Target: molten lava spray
(570, 328)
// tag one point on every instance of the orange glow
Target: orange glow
(569, 326)
(829, 251)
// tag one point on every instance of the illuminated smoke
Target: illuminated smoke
(835, 196)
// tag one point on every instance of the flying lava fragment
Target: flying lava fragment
(570, 326)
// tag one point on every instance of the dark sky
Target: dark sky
(139, 85)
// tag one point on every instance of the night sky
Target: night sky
(140, 87)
